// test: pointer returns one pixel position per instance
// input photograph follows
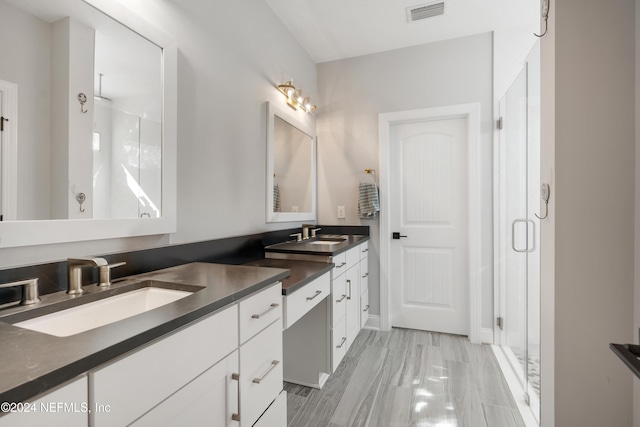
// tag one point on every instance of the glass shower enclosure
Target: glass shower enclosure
(518, 290)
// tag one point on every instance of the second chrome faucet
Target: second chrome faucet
(75, 266)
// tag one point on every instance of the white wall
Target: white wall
(354, 91)
(28, 39)
(588, 62)
(231, 57)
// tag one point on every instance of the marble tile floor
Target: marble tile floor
(408, 378)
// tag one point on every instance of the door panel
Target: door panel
(428, 199)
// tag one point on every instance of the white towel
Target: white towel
(368, 201)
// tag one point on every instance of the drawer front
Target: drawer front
(338, 299)
(341, 264)
(260, 373)
(364, 308)
(353, 305)
(259, 311)
(134, 379)
(74, 395)
(364, 250)
(353, 257)
(210, 399)
(302, 300)
(276, 415)
(338, 343)
(364, 274)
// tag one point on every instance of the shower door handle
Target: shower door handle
(526, 222)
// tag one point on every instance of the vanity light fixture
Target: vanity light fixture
(295, 99)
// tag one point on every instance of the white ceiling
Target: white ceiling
(337, 29)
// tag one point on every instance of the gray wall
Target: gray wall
(354, 91)
(231, 56)
(587, 245)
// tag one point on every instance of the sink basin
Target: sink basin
(102, 312)
(326, 242)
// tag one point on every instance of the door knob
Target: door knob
(398, 236)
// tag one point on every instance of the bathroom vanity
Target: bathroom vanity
(214, 355)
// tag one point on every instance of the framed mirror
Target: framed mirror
(88, 97)
(291, 167)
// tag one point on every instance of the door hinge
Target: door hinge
(500, 123)
(500, 322)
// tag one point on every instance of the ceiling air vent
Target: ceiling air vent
(425, 11)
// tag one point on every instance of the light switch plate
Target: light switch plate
(341, 212)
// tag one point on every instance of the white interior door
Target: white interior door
(428, 201)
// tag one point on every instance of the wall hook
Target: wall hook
(544, 13)
(82, 98)
(545, 192)
(81, 197)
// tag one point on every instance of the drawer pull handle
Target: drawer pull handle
(272, 307)
(349, 283)
(366, 308)
(273, 365)
(342, 299)
(236, 377)
(365, 250)
(341, 265)
(313, 297)
(365, 275)
(344, 339)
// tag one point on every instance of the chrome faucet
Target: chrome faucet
(75, 266)
(305, 230)
(29, 290)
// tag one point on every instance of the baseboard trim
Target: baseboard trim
(322, 379)
(486, 336)
(373, 322)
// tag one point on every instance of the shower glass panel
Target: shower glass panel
(519, 290)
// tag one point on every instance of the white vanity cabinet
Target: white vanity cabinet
(347, 296)
(203, 374)
(364, 284)
(66, 406)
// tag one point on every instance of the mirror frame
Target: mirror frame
(272, 111)
(28, 233)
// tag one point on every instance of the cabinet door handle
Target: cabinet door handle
(272, 307)
(313, 297)
(366, 308)
(344, 339)
(349, 283)
(236, 416)
(365, 250)
(365, 275)
(273, 365)
(341, 265)
(342, 299)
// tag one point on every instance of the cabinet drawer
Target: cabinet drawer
(261, 372)
(364, 308)
(259, 311)
(338, 343)
(341, 264)
(73, 395)
(353, 257)
(364, 274)
(134, 379)
(276, 415)
(210, 399)
(364, 250)
(301, 301)
(338, 299)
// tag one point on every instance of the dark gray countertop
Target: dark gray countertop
(34, 362)
(306, 247)
(302, 272)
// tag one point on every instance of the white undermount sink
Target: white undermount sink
(102, 312)
(325, 242)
